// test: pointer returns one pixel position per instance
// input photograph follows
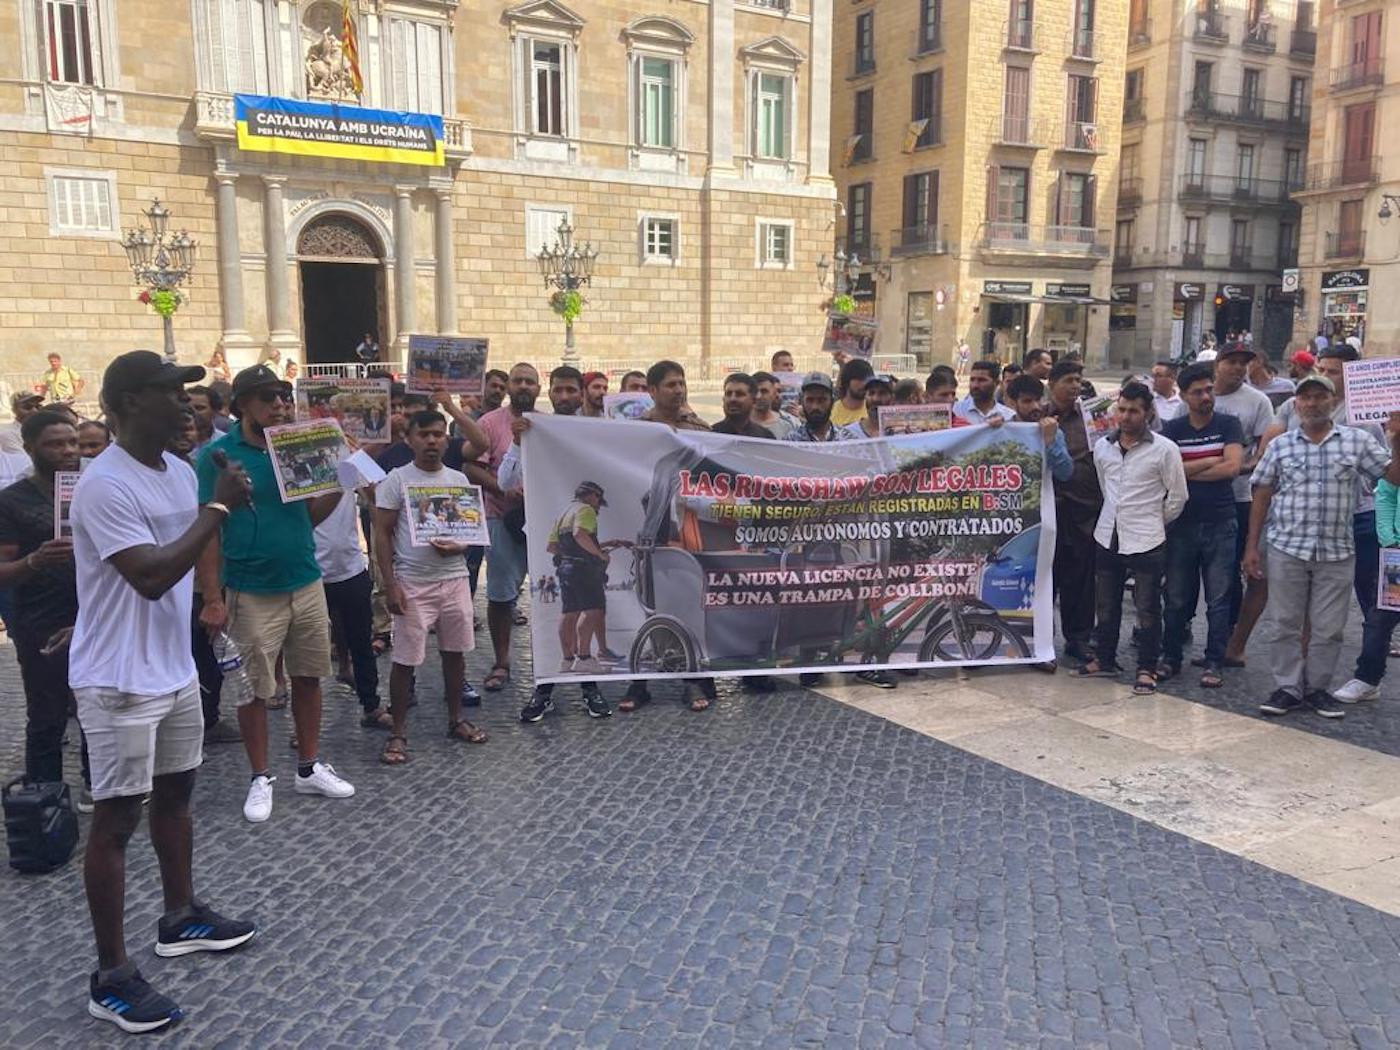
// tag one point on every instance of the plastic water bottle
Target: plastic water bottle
(237, 689)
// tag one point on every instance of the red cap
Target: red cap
(588, 377)
(1303, 359)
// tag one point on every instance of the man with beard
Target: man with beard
(1037, 363)
(494, 391)
(1025, 396)
(879, 391)
(1305, 490)
(595, 388)
(981, 400)
(850, 386)
(589, 626)
(767, 407)
(507, 557)
(273, 600)
(740, 391)
(817, 396)
(1077, 505)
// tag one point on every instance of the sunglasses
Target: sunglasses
(267, 395)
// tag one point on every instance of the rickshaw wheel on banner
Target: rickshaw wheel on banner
(982, 638)
(663, 646)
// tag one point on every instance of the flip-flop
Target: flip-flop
(466, 732)
(497, 680)
(394, 756)
(1100, 670)
(1211, 679)
(1144, 688)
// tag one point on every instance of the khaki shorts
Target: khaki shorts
(445, 605)
(132, 738)
(293, 624)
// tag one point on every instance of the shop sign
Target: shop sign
(1339, 280)
(1290, 280)
(1188, 291)
(1239, 293)
(1006, 287)
(1123, 293)
(1062, 290)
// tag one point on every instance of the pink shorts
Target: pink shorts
(444, 604)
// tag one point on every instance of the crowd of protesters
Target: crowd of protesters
(1221, 479)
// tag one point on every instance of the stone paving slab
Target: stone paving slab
(780, 871)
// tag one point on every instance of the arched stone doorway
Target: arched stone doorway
(342, 287)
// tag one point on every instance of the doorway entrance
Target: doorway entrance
(342, 288)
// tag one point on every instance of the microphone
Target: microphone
(220, 460)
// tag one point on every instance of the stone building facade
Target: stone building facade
(687, 141)
(1217, 96)
(1349, 253)
(975, 148)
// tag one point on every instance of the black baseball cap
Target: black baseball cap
(254, 378)
(138, 369)
(590, 487)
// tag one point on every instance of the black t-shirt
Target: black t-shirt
(400, 455)
(749, 429)
(48, 600)
(1209, 502)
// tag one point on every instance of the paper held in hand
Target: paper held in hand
(446, 512)
(914, 419)
(1373, 389)
(453, 364)
(1100, 415)
(360, 406)
(1388, 586)
(64, 482)
(626, 406)
(306, 458)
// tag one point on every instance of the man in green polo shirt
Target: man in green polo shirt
(273, 601)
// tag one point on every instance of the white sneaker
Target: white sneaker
(566, 665)
(323, 781)
(1356, 690)
(257, 807)
(588, 665)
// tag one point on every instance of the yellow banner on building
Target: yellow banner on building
(321, 129)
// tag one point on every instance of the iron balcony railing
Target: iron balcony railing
(1303, 42)
(1139, 35)
(1134, 109)
(1129, 192)
(865, 246)
(1261, 36)
(1234, 189)
(1345, 244)
(1013, 129)
(926, 239)
(1368, 73)
(1249, 109)
(1352, 171)
(1081, 44)
(1212, 27)
(1021, 34)
(1082, 136)
(1059, 240)
(928, 38)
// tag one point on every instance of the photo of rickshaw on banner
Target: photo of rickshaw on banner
(687, 553)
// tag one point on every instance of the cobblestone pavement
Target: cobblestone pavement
(779, 871)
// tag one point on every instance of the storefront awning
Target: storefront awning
(1072, 300)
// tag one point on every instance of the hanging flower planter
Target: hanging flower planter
(163, 301)
(845, 305)
(567, 305)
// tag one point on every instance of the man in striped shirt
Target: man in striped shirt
(1201, 543)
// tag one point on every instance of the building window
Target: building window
(920, 213)
(1249, 94)
(82, 204)
(660, 239)
(772, 116)
(863, 125)
(1009, 206)
(1194, 246)
(1020, 26)
(1293, 168)
(237, 34)
(858, 220)
(1128, 161)
(774, 248)
(542, 227)
(930, 26)
(928, 106)
(1016, 105)
(546, 85)
(1201, 77)
(1297, 99)
(415, 66)
(1139, 22)
(69, 41)
(1123, 239)
(865, 42)
(1076, 203)
(1083, 42)
(1244, 166)
(1081, 113)
(657, 97)
(1239, 242)
(1287, 245)
(1196, 161)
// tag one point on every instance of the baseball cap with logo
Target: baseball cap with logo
(820, 379)
(136, 370)
(254, 378)
(1317, 379)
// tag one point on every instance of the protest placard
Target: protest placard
(1100, 415)
(360, 406)
(850, 335)
(1373, 389)
(914, 419)
(64, 482)
(626, 406)
(789, 391)
(445, 512)
(306, 457)
(766, 557)
(442, 362)
(1388, 587)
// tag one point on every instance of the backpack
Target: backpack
(41, 826)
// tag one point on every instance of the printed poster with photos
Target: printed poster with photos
(65, 482)
(1100, 415)
(455, 364)
(1388, 587)
(306, 458)
(360, 406)
(626, 406)
(914, 419)
(446, 512)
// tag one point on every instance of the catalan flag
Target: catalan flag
(350, 41)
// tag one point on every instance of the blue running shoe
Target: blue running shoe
(131, 1004)
(203, 931)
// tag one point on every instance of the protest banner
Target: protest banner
(1388, 588)
(849, 335)
(1373, 389)
(306, 457)
(626, 406)
(64, 483)
(446, 512)
(914, 419)
(448, 363)
(360, 406)
(727, 556)
(1100, 415)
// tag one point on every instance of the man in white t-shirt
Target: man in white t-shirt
(425, 586)
(137, 531)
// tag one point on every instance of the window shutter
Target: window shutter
(936, 108)
(1091, 197)
(1061, 208)
(755, 113)
(932, 209)
(430, 86)
(789, 118)
(993, 178)
(218, 58)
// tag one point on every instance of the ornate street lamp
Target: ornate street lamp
(160, 262)
(567, 267)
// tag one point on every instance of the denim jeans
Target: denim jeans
(1199, 552)
(1111, 571)
(206, 664)
(1377, 624)
(1073, 574)
(46, 702)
